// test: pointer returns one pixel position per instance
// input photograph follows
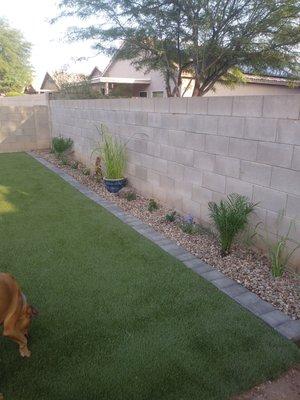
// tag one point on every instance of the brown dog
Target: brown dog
(15, 313)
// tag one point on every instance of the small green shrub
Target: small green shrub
(170, 217)
(152, 205)
(230, 217)
(64, 161)
(278, 252)
(188, 225)
(130, 196)
(60, 145)
(75, 165)
(86, 171)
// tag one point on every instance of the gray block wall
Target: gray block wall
(24, 128)
(186, 152)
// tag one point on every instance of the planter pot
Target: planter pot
(114, 185)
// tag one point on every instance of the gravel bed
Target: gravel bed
(246, 266)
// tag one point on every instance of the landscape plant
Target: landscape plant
(130, 196)
(152, 205)
(230, 217)
(170, 217)
(278, 252)
(188, 225)
(75, 165)
(61, 145)
(112, 153)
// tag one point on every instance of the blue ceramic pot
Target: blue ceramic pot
(114, 185)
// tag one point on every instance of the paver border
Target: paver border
(279, 321)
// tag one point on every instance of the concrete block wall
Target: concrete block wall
(186, 152)
(24, 128)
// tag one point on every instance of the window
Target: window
(158, 94)
(143, 94)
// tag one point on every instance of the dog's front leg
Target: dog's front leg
(19, 338)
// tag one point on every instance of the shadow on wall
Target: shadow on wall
(24, 128)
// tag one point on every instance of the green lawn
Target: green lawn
(119, 318)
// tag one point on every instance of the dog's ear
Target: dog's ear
(34, 311)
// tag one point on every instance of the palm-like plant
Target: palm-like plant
(230, 217)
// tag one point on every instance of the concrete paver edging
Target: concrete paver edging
(279, 321)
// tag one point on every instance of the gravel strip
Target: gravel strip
(244, 265)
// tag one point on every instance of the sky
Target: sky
(50, 51)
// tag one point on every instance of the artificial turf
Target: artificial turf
(119, 318)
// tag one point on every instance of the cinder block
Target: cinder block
(184, 156)
(154, 120)
(213, 181)
(166, 183)
(275, 154)
(187, 122)
(240, 187)
(197, 105)
(160, 165)
(201, 195)
(141, 118)
(193, 175)
(140, 146)
(288, 131)
(206, 124)
(175, 170)
(178, 105)
(169, 121)
(293, 206)
(177, 138)
(247, 106)
(204, 161)
(195, 141)
(216, 144)
(243, 149)
(135, 104)
(296, 158)
(183, 189)
(153, 177)
(261, 129)
(191, 207)
(269, 199)
(167, 153)
(255, 173)
(231, 126)
(227, 166)
(161, 136)
(281, 106)
(220, 105)
(153, 149)
(282, 224)
(286, 180)
(147, 104)
(161, 105)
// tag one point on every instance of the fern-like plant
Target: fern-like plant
(230, 217)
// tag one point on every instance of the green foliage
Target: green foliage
(278, 252)
(75, 165)
(230, 217)
(207, 40)
(171, 217)
(15, 69)
(113, 155)
(130, 196)
(152, 205)
(64, 160)
(189, 226)
(60, 145)
(86, 171)
(13, 94)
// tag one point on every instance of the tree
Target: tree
(15, 69)
(207, 40)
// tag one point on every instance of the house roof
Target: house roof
(95, 71)
(270, 80)
(48, 79)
